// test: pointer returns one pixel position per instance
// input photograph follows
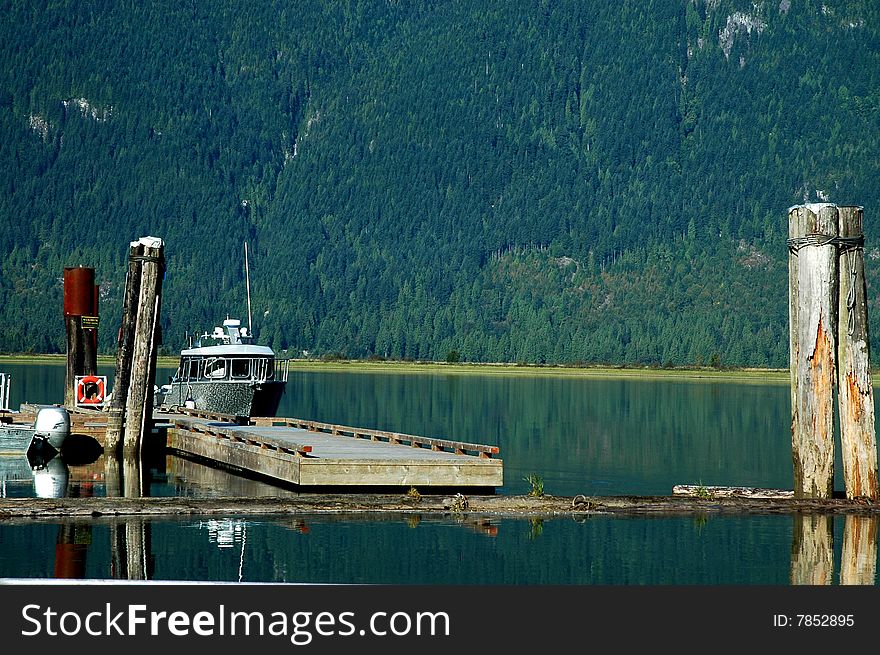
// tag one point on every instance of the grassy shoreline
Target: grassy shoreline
(508, 369)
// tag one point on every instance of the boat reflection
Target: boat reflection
(50, 477)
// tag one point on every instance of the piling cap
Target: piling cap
(814, 207)
(79, 291)
(150, 242)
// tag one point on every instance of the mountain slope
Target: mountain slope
(596, 182)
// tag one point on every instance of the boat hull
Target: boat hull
(227, 397)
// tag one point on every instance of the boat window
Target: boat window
(193, 369)
(241, 368)
(270, 369)
(215, 368)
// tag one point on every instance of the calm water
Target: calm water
(582, 435)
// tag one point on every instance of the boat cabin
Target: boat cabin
(233, 367)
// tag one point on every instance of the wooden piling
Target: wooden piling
(813, 301)
(855, 390)
(124, 348)
(138, 413)
(75, 360)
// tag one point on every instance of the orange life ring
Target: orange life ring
(90, 390)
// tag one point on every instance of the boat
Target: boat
(224, 371)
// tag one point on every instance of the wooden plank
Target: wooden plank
(397, 437)
(418, 473)
(271, 463)
(239, 434)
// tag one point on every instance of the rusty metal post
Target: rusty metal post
(79, 297)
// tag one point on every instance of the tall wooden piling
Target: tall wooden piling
(813, 232)
(855, 390)
(124, 348)
(139, 411)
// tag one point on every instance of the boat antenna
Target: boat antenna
(247, 277)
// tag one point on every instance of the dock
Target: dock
(306, 454)
(315, 454)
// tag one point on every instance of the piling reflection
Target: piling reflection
(858, 564)
(812, 550)
(74, 540)
(131, 553)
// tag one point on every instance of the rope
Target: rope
(845, 245)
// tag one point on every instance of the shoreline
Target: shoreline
(481, 368)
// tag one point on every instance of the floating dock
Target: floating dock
(314, 454)
(307, 454)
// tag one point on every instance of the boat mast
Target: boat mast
(247, 276)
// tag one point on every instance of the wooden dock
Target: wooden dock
(314, 454)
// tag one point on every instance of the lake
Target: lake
(589, 435)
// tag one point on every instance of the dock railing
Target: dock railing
(5, 384)
(447, 445)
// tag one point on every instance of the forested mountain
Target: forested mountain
(568, 181)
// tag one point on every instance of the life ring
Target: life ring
(91, 390)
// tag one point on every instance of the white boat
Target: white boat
(226, 372)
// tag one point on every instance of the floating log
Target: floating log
(855, 390)
(376, 505)
(812, 295)
(701, 491)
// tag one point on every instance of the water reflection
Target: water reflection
(50, 478)
(812, 550)
(412, 549)
(131, 551)
(859, 559)
(74, 539)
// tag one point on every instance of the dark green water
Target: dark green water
(582, 435)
